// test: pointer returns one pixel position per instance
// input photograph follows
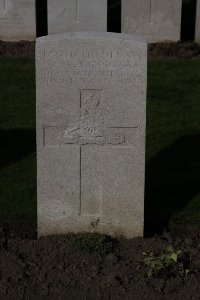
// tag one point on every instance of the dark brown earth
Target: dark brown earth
(19, 49)
(173, 50)
(156, 50)
(57, 268)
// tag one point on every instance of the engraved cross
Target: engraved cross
(77, 11)
(150, 11)
(91, 129)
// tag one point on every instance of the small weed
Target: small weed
(94, 242)
(169, 263)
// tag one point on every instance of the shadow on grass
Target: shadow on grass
(172, 180)
(15, 145)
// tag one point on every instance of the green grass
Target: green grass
(95, 242)
(173, 102)
(18, 155)
(172, 196)
(17, 93)
(173, 144)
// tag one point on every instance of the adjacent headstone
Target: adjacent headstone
(91, 102)
(197, 30)
(17, 20)
(155, 20)
(77, 15)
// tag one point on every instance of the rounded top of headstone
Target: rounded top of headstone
(92, 35)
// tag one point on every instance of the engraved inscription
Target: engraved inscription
(87, 77)
(90, 54)
(64, 12)
(90, 67)
(91, 70)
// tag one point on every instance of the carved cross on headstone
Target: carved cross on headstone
(77, 10)
(150, 11)
(90, 130)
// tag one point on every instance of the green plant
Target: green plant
(94, 242)
(169, 263)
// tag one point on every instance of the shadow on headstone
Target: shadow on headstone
(114, 16)
(41, 18)
(172, 180)
(16, 144)
(188, 20)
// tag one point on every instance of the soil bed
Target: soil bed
(21, 49)
(60, 268)
(173, 50)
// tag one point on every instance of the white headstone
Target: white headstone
(155, 20)
(77, 15)
(197, 30)
(17, 20)
(91, 103)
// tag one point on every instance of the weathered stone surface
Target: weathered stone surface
(155, 20)
(197, 30)
(77, 15)
(91, 103)
(17, 20)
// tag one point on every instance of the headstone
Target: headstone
(155, 20)
(197, 30)
(77, 15)
(17, 20)
(91, 102)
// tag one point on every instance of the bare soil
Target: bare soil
(155, 50)
(173, 50)
(54, 268)
(19, 49)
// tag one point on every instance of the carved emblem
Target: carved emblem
(92, 126)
